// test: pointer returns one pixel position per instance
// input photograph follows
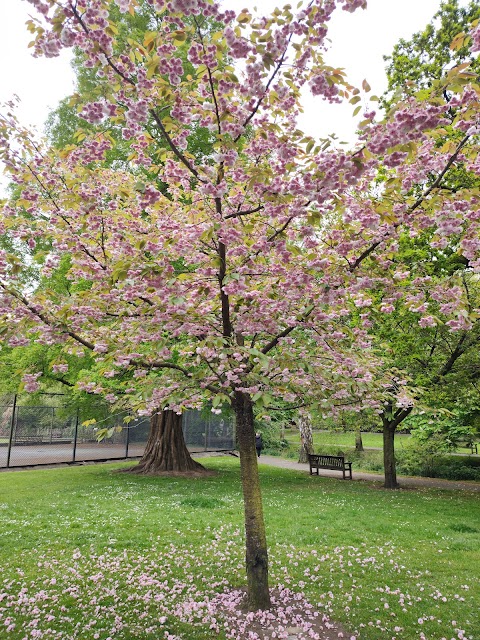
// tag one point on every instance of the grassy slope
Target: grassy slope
(120, 553)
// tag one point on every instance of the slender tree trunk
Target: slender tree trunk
(166, 449)
(389, 463)
(306, 436)
(256, 543)
(358, 440)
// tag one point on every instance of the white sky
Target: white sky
(358, 42)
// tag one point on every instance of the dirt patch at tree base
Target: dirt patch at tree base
(291, 617)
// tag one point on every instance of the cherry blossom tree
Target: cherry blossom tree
(430, 364)
(235, 276)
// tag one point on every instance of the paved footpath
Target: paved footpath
(404, 481)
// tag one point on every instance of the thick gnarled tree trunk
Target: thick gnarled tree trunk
(306, 436)
(256, 543)
(166, 450)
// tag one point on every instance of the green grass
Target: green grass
(342, 439)
(346, 440)
(86, 551)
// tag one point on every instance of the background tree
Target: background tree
(432, 361)
(304, 422)
(426, 65)
(428, 56)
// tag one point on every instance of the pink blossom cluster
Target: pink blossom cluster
(96, 112)
(60, 368)
(123, 5)
(239, 47)
(475, 36)
(40, 6)
(320, 86)
(30, 381)
(407, 124)
(353, 5)
(188, 7)
(173, 67)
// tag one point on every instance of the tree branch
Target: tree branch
(273, 343)
(174, 147)
(239, 214)
(415, 205)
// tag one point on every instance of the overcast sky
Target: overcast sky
(358, 42)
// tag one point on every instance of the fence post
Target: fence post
(51, 424)
(12, 428)
(127, 441)
(75, 435)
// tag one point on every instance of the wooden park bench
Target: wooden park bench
(337, 463)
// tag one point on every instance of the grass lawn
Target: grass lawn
(91, 554)
(347, 440)
(342, 439)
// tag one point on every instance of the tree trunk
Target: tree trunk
(389, 462)
(358, 440)
(306, 436)
(258, 596)
(166, 449)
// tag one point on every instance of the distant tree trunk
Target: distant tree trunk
(358, 439)
(389, 462)
(166, 449)
(390, 420)
(306, 436)
(258, 595)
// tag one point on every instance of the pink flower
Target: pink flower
(31, 383)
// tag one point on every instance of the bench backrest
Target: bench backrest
(327, 462)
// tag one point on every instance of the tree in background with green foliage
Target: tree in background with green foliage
(415, 64)
(426, 358)
(427, 363)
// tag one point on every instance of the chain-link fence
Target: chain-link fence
(208, 432)
(35, 435)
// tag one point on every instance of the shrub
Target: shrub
(427, 458)
(454, 470)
